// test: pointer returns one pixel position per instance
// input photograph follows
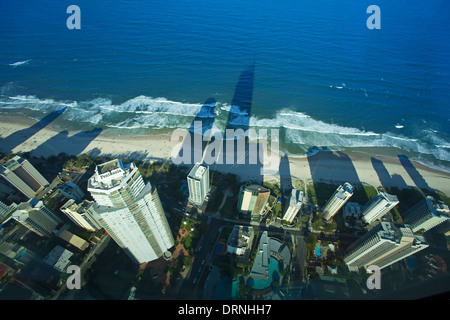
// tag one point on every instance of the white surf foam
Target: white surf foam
(19, 63)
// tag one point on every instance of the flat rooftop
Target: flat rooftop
(255, 187)
(110, 174)
(296, 199)
(240, 236)
(197, 171)
(438, 208)
(389, 197)
(109, 166)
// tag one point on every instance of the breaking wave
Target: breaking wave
(296, 128)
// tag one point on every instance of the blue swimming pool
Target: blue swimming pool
(319, 251)
(274, 275)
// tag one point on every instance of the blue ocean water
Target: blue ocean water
(317, 72)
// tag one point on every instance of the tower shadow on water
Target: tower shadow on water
(240, 155)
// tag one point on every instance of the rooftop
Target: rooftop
(394, 232)
(255, 187)
(389, 197)
(77, 207)
(13, 161)
(296, 199)
(109, 166)
(260, 268)
(347, 188)
(352, 209)
(197, 171)
(438, 208)
(110, 174)
(240, 236)
(58, 257)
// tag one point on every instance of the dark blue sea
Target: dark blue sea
(309, 68)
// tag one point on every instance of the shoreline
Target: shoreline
(19, 135)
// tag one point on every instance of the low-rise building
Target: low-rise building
(58, 258)
(71, 191)
(240, 240)
(82, 214)
(252, 200)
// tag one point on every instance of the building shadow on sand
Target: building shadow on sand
(63, 143)
(330, 169)
(229, 151)
(8, 144)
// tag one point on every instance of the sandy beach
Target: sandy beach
(25, 136)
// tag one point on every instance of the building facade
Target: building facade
(427, 214)
(130, 211)
(198, 184)
(82, 214)
(384, 245)
(5, 210)
(23, 176)
(37, 217)
(378, 206)
(337, 200)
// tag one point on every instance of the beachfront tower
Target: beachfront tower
(130, 211)
(384, 245)
(427, 214)
(293, 206)
(37, 217)
(337, 200)
(378, 206)
(252, 200)
(23, 176)
(198, 184)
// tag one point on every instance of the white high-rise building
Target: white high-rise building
(337, 200)
(427, 214)
(384, 245)
(378, 206)
(294, 205)
(23, 176)
(37, 217)
(198, 183)
(130, 211)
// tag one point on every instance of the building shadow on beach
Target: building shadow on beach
(330, 169)
(15, 139)
(328, 165)
(195, 140)
(228, 151)
(242, 156)
(63, 143)
(415, 175)
(285, 176)
(386, 179)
